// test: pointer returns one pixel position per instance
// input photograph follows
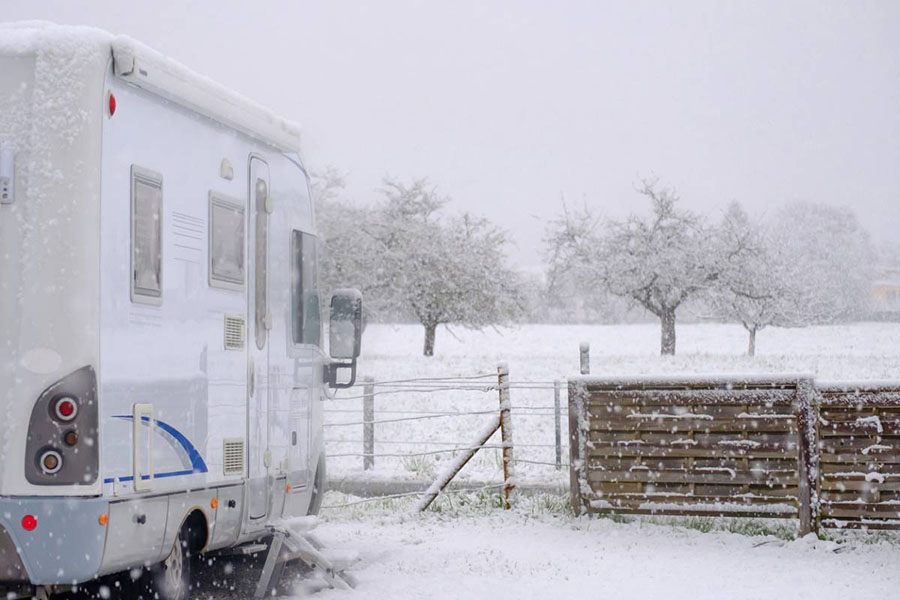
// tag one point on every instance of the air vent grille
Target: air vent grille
(233, 459)
(235, 332)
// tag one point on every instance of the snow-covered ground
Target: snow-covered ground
(519, 556)
(468, 548)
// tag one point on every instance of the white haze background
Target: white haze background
(507, 106)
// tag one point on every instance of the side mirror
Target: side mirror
(345, 335)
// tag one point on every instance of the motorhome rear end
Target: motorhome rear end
(161, 355)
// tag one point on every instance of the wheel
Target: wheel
(171, 579)
(319, 485)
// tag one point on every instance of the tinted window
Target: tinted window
(307, 324)
(226, 242)
(146, 235)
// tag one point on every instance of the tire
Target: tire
(319, 487)
(171, 579)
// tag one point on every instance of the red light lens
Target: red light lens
(29, 523)
(112, 104)
(66, 409)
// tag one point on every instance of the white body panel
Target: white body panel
(67, 300)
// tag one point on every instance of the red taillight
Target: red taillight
(66, 409)
(29, 523)
(112, 104)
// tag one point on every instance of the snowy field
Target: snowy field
(539, 354)
(469, 548)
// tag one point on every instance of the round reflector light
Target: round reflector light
(66, 408)
(51, 462)
(29, 523)
(112, 104)
(71, 438)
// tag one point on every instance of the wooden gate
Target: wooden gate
(712, 447)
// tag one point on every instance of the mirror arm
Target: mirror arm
(332, 371)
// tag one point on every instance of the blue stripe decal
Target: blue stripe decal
(198, 465)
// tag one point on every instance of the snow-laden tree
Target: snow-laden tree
(345, 250)
(449, 271)
(754, 287)
(829, 259)
(412, 261)
(658, 262)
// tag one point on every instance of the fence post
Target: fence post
(807, 456)
(557, 424)
(506, 434)
(585, 358)
(577, 456)
(368, 423)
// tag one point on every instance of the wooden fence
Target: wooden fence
(859, 456)
(736, 447)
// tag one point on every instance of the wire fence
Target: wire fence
(412, 427)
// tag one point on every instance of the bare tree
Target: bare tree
(657, 262)
(829, 257)
(444, 271)
(754, 286)
(410, 260)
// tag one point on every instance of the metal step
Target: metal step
(304, 546)
(246, 550)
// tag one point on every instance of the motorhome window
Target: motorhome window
(146, 236)
(261, 193)
(226, 243)
(307, 327)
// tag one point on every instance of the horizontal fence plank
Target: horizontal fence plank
(691, 476)
(637, 451)
(671, 398)
(644, 422)
(860, 524)
(630, 499)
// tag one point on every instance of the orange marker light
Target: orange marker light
(103, 519)
(288, 489)
(214, 503)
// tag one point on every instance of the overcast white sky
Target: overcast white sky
(507, 106)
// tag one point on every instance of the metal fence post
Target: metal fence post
(557, 424)
(585, 358)
(368, 423)
(506, 434)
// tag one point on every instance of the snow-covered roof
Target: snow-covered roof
(148, 69)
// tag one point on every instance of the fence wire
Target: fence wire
(478, 393)
(408, 494)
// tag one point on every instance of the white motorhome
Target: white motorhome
(161, 362)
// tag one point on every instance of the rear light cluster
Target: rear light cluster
(63, 424)
(64, 410)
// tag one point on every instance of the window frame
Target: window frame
(153, 178)
(217, 199)
(298, 296)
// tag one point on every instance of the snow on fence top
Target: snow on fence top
(721, 380)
